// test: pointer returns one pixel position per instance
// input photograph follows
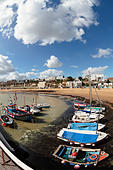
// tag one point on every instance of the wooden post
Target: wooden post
(3, 157)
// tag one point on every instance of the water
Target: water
(58, 106)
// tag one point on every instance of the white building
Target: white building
(41, 84)
(97, 77)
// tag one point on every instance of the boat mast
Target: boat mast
(90, 89)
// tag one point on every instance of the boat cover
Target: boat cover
(80, 137)
(84, 126)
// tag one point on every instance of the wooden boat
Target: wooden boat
(86, 126)
(16, 113)
(86, 118)
(43, 106)
(92, 110)
(6, 120)
(81, 137)
(79, 157)
(33, 109)
(79, 104)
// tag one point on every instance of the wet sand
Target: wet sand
(46, 141)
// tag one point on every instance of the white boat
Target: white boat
(33, 109)
(93, 126)
(85, 117)
(81, 137)
(43, 105)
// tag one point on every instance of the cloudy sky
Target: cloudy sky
(41, 38)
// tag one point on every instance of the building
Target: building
(42, 85)
(97, 77)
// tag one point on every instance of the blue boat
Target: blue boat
(16, 113)
(81, 137)
(86, 126)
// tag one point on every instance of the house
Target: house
(97, 77)
(42, 84)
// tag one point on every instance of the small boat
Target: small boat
(86, 126)
(33, 109)
(78, 156)
(6, 120)
(12, 111)
(86, 118)
(79, 104)
(81, 137)
(43, 106)
(92, 110)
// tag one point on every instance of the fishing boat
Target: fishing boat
(81, 137)
(93, 110)
(78, 156)
(79, 104)
(33, 109)
(43, 106)
(86, 126)
(6, 120)
(12, 111)
(87, 118)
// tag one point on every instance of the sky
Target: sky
(43, 38)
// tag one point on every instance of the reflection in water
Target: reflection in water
(45, 117)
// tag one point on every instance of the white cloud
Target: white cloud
(53, 62)
(103, 53)
(8, 71)
(34, 69)
(94, 70)
(50, 73)
(31, 21)
(6, 65)
(74, 66)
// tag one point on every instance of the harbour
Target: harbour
(44, 139)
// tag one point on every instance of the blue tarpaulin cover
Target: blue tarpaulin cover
(84, 126)
(80, 137)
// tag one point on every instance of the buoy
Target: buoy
(74, 154)
(82, 145)
(3, 124)
(76, 166)
(63, 161)
(93, 144)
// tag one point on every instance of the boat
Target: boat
(79, 104)
(78, 156)
(86, 126)
(87, 118)
(33, 109)
(12, 111)
(81, 137)
(43, 106)
(93, 109)
(6, 120)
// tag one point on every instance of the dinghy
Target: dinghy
(86, 126)
(33, 109)
(43, 106)
(79, 157)
(87, 118)
(79, 104)
(81, 137)
(6, 120)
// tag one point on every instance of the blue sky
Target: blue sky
(60, 37)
